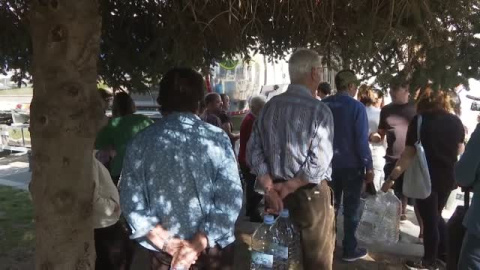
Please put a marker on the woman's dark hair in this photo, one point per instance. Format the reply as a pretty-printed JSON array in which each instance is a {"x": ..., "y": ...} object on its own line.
[
  {"x": 181, "y": 90},
  {"x": 123, "y": 105}
]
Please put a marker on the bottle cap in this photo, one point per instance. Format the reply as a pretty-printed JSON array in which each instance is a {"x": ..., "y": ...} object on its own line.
[
  {"x": 268, "y": 219},
  {"x": 285, "y": 213}
]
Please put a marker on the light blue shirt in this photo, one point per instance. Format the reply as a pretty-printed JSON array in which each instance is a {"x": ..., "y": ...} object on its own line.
[
  {"x": 467, "y": 175},
  {"x": 181, "y": 173},
  {"x": 293, "y": 138}
]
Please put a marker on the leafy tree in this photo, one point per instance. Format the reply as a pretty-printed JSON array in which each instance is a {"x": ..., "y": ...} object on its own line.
[{"x": 425, "y": 39}]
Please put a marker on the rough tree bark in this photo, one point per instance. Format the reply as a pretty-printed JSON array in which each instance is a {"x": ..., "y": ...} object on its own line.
[{"x": 65, "y": 117}]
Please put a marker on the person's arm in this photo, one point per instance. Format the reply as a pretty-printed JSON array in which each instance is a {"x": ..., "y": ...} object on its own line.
[
  {"x": 256, "y": 157},
  {"x": 406, "y": 158},
  {"x": 227, "y": 196},
  {"x": 136, "y": 205},
  {"x": 227, "y": 127},
  {"x": 134, "y": 194},
  {"x": 361, "y": 134},
  {"x": 379, "y": 136},
  {"x": 106, "y": 202},
  {"x": 402, "y": 164},
  {"x": 466, "y": 169},
  {"x": 258, "y": 163},
  {"x": 245, "y": 133}
]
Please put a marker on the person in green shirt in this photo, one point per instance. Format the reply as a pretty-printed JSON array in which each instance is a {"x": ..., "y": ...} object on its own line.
[{"x": 123, "y": 126}]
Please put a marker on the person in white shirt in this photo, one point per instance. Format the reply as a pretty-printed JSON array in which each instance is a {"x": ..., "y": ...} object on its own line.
[
  {"x": 113, "y": 247},
  {"x": 106, "y": 201},
  {"x": 373, "y": 101}
]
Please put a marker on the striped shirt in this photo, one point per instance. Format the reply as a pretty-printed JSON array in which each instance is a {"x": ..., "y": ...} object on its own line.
[{"x": 293, "y": 138}]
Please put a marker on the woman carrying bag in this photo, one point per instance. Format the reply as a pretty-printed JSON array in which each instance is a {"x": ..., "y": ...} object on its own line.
[{"x": 440, "y": 140}]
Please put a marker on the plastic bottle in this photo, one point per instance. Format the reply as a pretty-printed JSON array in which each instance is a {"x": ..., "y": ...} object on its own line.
[
  {"x": 263, "y": 245},
  {"x": 288, "y": 245},
  {"x": 380, "y": 220},
  {"x": 392, "y": 218}
]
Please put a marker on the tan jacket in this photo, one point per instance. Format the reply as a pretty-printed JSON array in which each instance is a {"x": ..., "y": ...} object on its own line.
[{"x": 106, "y": 201}]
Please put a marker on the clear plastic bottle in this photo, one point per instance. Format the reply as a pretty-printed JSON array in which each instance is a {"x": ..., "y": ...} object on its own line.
[
  {"x": 289, "y": 250},
  {"x": 392, "y": 218},
  {"x": 380, "y": 220},
  {"x": 263, "y": 245}
]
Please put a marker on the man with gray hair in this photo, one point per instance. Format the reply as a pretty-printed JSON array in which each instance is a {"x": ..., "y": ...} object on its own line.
[
  {"x": 290, "y": 151},
  {"x": 253, "y": 198}
]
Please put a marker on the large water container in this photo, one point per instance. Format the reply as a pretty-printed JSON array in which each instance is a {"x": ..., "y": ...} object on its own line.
[
  {"x": 263, "y": 245},
  {"x": 380, "y": 222},
  {"x": 289, "y": 245}
]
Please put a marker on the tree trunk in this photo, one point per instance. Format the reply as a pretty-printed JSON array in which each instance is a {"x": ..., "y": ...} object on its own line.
[{"x": 65, "y": 117}]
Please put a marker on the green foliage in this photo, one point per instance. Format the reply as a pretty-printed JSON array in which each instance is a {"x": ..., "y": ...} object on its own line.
[
  {"x": 141, "y": 39},
  {"x": 15, "y": 48}
]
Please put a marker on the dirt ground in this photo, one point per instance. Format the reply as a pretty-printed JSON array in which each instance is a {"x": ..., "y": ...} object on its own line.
[
  {"x": 24, "y": 261},
  {"x": 374, "y": 261}
]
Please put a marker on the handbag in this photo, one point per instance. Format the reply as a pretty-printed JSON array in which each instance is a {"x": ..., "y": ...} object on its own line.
[{"x": 416, "y": 181}]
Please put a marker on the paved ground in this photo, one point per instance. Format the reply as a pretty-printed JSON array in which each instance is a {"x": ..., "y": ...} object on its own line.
[{"x": 14, "y": 170}]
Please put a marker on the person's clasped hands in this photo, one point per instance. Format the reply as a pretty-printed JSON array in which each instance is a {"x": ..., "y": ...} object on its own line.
[
  {"x": 188, "y": 252},
  {"x": 276, "y": 193},
  {"x": 185, "y": 252}
]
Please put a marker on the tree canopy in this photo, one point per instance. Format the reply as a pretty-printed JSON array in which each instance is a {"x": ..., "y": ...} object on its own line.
[{"x": 141, "y": 39}]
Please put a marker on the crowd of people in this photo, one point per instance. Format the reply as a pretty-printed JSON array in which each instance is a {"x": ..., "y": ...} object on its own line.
[{"x": 309, "y": 150}]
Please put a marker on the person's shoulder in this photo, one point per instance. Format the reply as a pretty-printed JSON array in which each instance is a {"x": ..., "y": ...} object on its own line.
[
  {"x": 140, "y": 140},
  {"x": 388, "y": 107},
  {"x": 207, "y": 127},
  {"x": 114, "y": 121},
  {"x": 327, "y": 99},
  {"x": 248, "y": 118},
  {"x": 141, "y": 118},
  {"x": 453, "y": 118},
  {"x": 411, "y": 106},
  {"x": 224, "y": 117},
  {"x": 357, "y": 103},
  {"x": 146, "y": 133},
  {"x": 212, "y": 133},
  {"x": 321, "y": 104},
  {"x": 352, "y": 102}
]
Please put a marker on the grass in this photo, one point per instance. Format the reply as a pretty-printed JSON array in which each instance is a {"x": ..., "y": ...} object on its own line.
[
  {"x": 26, "y": 91},
  {"x": 16, "y": 221}
]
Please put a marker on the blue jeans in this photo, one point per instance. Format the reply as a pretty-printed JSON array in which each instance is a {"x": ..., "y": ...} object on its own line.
[
  {"x": 470, "y": 254},
  {"x": 348, "y": 182}
]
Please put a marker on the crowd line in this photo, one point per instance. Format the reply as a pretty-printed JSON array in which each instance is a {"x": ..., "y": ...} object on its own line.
[{"x": 174, "y": 186}]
